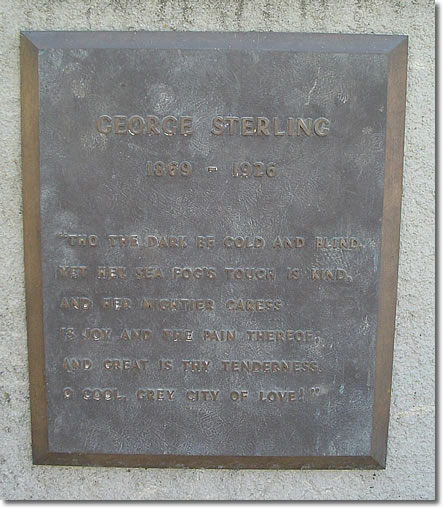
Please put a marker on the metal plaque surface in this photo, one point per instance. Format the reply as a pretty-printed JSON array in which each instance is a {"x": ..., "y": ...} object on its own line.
[{"x": 211, "y": 245}]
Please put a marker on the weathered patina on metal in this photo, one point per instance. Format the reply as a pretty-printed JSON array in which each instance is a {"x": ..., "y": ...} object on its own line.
[{"x": 211, "y": 244}]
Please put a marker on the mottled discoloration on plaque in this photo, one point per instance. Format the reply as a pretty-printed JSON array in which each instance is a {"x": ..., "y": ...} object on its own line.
[{"x": 211, "y": 227}]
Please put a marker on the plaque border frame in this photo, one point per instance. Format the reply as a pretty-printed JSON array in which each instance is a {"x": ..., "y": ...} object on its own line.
[{"x": 395, "y": 47}]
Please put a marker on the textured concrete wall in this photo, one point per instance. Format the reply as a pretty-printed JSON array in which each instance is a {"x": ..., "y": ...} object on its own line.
[{"x": 410, "y": 467}]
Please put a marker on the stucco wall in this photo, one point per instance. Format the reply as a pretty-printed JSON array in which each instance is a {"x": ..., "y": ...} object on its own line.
[{"x": 410, "y": 466}]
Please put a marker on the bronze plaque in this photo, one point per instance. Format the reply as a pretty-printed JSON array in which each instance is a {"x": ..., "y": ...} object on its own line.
[{"x": 211, "y": 244}]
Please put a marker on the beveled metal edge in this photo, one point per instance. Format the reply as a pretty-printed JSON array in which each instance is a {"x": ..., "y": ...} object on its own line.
[
  {"x": 390, "y": 244},
  {"x": 208, "y": 461},
  {"x": 263, "y": 41},
  {"x": 32, "y": 253}
]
